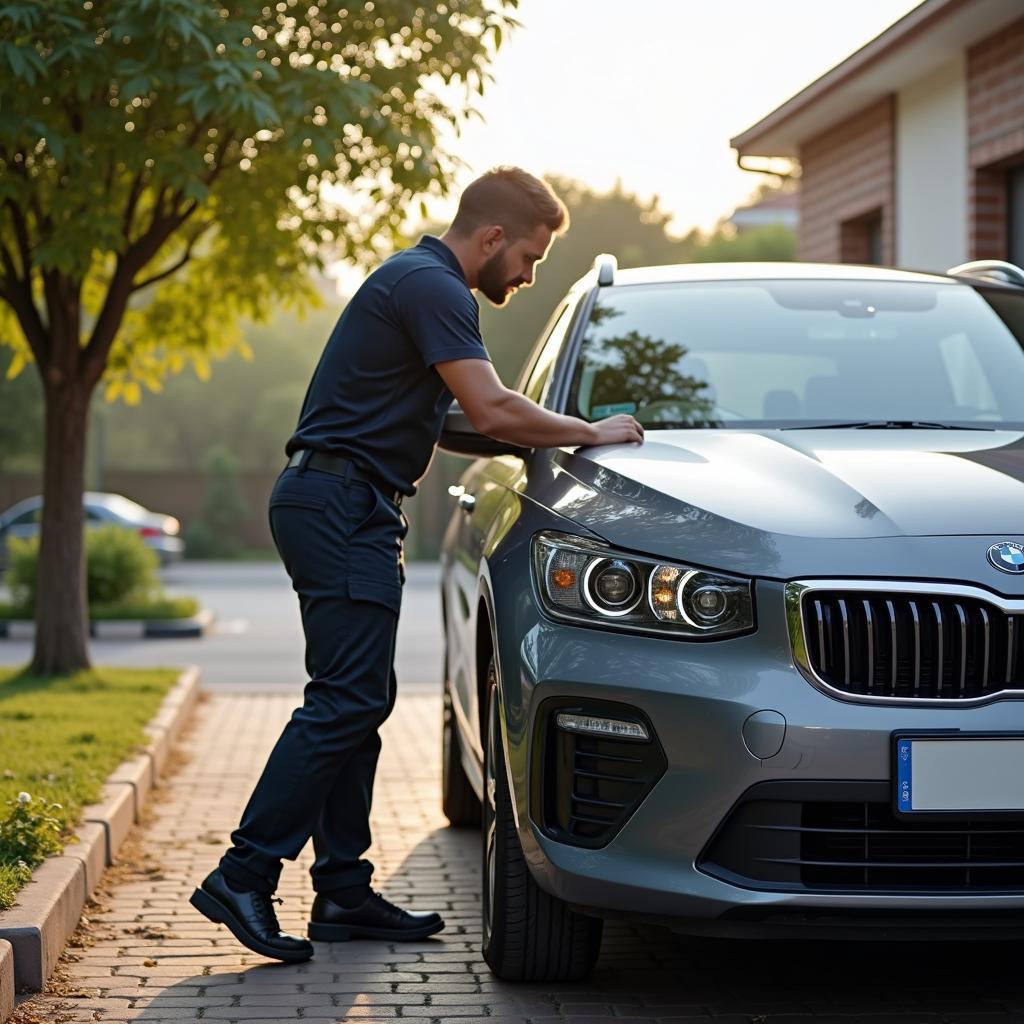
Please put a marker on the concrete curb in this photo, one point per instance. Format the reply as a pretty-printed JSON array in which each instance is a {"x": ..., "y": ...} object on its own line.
[
  {"x": 122, "y": 629},
  {"x": 6, "y": 980},
  {"x": 33, "y": 932}
]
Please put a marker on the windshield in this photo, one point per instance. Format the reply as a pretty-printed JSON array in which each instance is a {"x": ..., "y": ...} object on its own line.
[{"x": 791, "y": 353}]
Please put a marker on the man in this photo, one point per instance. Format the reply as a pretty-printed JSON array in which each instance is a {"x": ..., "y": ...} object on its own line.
[{"x": 407, "y": 342}]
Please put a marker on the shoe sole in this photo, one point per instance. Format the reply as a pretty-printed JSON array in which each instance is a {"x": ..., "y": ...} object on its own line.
[
  {"x": 343, "y": 933},
  {"x": 214, "y": 910}
]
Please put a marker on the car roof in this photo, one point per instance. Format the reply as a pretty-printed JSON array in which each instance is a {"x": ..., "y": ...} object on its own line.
[
  {"x": 116, "y": 503},
  {"x": 683, "y": 272}
]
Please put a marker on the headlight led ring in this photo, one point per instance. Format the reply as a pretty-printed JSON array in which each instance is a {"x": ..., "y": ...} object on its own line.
[{"x": 611, "y": 609}]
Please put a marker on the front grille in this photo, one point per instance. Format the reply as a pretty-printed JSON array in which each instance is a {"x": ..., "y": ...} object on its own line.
[
  {"x": 912, "y": 645},
  {"x": 845, "y": 837},
  {"x": 587, "y": 787}
]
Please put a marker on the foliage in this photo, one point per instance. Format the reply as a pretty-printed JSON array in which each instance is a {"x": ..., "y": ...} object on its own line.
[
  {"x": 119, "y": 567},
  {"x": 30, "y": 832},
  {"x": 215, "y": 533},
  {"x": 59, "y": 740},
  {"x": 210, "y": 156},
  {"x": 250, "y": 406},
  {"x": 644, "y": 370},
  {"x": 771, "y": 242}
]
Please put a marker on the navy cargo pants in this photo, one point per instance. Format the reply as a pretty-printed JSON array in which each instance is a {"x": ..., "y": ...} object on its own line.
[{"x": 341, "y": 543}]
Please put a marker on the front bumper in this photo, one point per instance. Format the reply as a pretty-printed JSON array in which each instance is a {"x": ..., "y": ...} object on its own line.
[{"x": 700, "y": 698}]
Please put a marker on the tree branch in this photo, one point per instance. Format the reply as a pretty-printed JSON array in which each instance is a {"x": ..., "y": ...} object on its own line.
[
  {"x": 134, "y": 259},
  {"x": 19, "y": 294},
  {"x": 21, "y": 233},
  {"x": 178, "y": 264},
  {"x": 134, "y": 194}
]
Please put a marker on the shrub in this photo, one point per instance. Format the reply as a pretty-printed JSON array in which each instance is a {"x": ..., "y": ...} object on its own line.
[
  {"x": 119, "y": 566},
  {"x": 214, "y": 534},
  {"x": 22, "y": 556},
  {"x": 30, "y": 832}
]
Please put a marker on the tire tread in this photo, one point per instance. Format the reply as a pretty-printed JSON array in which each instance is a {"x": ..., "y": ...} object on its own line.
[{"x": 535, "y": 936}]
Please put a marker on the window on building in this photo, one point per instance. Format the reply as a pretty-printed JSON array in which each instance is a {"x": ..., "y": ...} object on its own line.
[
  {"x": 1015, "y": 194},
  {"x": 860, "y": 239}
]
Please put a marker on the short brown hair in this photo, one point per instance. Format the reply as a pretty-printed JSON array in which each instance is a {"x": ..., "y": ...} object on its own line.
[{"x": 513, "y": 198}]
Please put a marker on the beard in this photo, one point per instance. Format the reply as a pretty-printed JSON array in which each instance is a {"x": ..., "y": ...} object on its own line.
[{"x": 493, "y": 280}]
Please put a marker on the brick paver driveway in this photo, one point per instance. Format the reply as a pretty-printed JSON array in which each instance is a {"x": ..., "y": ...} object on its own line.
[{"x": 156, "y": 959}]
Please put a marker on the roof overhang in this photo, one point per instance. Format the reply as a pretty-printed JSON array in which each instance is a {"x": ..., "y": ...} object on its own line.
[{"x": 928, "y": 36}]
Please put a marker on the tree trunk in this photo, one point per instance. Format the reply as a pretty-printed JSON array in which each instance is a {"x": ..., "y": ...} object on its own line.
[{"x": 62, "y": 631}]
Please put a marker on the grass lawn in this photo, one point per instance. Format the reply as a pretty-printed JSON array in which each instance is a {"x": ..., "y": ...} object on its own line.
[
  {"x": 59, "y": 739},
  {"x": 162, "y": 607}
]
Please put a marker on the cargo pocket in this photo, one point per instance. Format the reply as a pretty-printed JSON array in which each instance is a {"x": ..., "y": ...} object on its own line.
[{"x": 382, "y": 592}]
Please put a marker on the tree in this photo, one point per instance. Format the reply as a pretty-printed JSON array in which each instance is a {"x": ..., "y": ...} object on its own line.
[{"x": 167, "y": 166}]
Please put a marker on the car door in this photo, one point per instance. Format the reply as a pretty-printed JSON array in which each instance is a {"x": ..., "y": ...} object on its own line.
[{"x": 484, "y": 494}]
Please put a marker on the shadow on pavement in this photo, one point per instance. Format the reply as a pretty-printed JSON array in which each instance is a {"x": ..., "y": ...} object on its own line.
[{"x": 644, "y": 973}]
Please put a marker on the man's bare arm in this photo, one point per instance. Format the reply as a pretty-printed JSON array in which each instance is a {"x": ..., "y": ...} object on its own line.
[{"x": 499, "y": 412}]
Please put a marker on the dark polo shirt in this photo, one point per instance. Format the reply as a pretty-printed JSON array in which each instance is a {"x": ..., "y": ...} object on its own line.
[{"x": 375, "y": 396}]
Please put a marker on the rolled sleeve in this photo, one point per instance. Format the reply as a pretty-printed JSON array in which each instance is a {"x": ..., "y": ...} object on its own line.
[{"x": 440, "y": 315}]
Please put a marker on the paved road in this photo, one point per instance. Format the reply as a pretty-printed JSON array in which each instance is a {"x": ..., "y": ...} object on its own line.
[
  {"x": 257, "y": 646},
  {"x": 155, "y": 959}
]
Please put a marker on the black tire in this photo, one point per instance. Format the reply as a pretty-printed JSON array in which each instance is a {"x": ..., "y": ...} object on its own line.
[
  {"x": 528, "y": 934},
  {"x": 459, "y": 802}
]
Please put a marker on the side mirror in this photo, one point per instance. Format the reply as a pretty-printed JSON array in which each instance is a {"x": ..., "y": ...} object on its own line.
[{"x": 459, "y": 438}]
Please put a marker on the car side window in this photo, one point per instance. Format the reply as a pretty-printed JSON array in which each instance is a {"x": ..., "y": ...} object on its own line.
[
  {"x": 539, "y": 378},
  {"x": 33, "y": 515}
]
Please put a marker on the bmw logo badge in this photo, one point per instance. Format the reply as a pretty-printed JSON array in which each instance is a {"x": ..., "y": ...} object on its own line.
[{"x": 1007, "y": 557}]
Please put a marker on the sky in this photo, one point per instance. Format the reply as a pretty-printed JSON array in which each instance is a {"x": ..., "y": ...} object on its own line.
[{"x": 651, "y": 91}]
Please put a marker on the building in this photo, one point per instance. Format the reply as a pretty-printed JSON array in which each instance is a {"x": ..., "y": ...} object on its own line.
[
  {"x": 912, "y": 149},
  {"x": 782, "y": 208}
]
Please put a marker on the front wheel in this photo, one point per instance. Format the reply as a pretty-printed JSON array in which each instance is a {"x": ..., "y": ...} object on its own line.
[{"x": 529, "y": 935}]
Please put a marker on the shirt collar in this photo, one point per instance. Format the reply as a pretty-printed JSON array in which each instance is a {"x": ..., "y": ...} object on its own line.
[{"x": 434, "y": 244}]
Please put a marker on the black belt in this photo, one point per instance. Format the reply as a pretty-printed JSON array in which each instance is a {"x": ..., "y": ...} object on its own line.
[{"x": 343, "y": 467}]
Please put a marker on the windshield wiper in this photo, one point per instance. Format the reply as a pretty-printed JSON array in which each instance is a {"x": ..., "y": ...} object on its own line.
[
  {"x": 683, "y": 425},
  {"x": 885, "y": 425}
]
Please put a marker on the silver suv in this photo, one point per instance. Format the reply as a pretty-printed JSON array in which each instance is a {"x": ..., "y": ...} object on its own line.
[{"x": 761, "y": 675}]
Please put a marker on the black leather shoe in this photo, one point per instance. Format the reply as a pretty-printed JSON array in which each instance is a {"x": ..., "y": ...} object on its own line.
[
  {"x": 374, "y": 919},
  {"x": 250, "y": 917}
]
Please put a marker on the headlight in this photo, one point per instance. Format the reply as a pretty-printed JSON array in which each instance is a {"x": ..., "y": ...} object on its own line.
[{"x": 582, "y": 581}]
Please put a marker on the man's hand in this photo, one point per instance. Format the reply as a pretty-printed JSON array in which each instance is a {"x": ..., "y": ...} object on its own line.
[
  {"x": 499, "y": 412},
  {"x": 621, "y": 429}
]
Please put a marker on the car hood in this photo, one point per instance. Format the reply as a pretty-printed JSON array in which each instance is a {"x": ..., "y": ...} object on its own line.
[{"x": 779, "y": 491}]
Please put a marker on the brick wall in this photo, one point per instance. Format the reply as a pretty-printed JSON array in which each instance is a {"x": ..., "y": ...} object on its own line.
[
  {"x": 847, "y": 176},
  {"x": 995, "y": 134}
]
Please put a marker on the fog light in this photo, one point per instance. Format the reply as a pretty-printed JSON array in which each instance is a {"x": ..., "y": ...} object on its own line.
[{"x": 593, "y": 726}]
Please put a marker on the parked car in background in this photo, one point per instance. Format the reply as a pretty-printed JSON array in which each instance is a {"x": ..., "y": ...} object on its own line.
[
  {"x": 762, "y": 675},
  {"x": 160, "y": 532}
]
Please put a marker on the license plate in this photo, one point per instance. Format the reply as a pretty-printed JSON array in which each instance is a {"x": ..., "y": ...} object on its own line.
[{"x": 959, "y": 774}]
